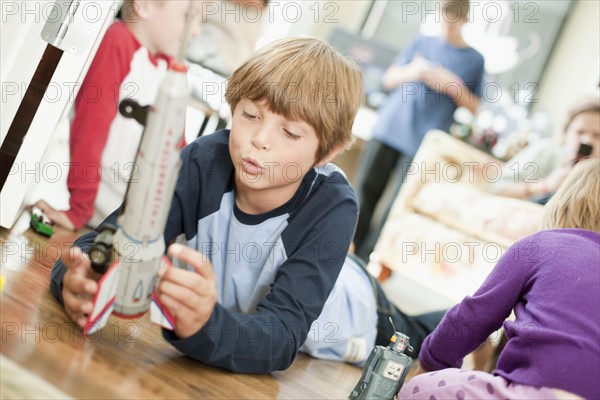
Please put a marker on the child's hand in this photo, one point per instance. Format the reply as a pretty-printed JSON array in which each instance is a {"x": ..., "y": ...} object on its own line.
[
  {"x": 556, "y": 178},
  {"x": 189, "y": 295},
  {"x": 419, "y": 67},
  {"x": 79, "y": 285},
  {"x": 442, "y": 80},
  {"x": 59, "y": 217}
]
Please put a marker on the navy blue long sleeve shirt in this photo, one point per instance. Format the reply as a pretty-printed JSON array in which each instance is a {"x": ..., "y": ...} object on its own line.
[{"x": 274, "y": 271}]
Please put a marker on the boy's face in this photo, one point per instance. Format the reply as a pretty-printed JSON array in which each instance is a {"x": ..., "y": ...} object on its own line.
[
  {"x": 271, "y": 154},
  {"x": 452, "y": 28},
  {"x": 165, "y": 23}
]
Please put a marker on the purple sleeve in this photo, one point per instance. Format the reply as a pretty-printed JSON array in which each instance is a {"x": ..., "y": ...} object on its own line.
[{"x": 468, "y": 324}]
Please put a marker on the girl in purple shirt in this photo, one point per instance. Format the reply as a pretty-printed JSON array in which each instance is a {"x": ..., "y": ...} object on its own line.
[{"x": 551, "y": 280}]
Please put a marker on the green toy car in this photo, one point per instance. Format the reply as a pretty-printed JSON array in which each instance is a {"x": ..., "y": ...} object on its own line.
[{"x": 41, "y": 223}]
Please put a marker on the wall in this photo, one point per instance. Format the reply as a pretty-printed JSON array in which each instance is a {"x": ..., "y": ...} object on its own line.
[
  {"x": 311, "y": 18},
  {"x": 573, "y": 68},
  {"x": 347, "y": 15}
]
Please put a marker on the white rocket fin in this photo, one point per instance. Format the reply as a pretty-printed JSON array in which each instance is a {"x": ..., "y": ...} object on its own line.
[
  {"x": 159, "y": 314},
  {"x": 104, "y": 300}
]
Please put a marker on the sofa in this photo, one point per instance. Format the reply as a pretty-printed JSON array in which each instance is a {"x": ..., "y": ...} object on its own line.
[{"x": 446, "y": 230}]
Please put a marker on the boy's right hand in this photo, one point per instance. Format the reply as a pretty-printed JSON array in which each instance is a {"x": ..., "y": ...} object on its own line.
[{"x": 79, "y": 285}]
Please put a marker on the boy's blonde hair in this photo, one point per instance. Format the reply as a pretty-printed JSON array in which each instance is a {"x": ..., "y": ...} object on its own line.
[
  {"x": 303, "y": 79},
  {"x": 576, "y": 204}
]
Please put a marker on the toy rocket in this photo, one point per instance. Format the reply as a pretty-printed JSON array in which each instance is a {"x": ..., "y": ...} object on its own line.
[{"x": 131, "y": 253}]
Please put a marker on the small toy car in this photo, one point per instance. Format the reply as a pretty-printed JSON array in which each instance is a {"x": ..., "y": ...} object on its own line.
[{"x": 41, "y": 223}]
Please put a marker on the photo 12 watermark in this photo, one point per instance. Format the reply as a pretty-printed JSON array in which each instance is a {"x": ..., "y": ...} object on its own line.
[
  {"x": 467, "y": 252},
  {"x": 290, "y": 12},
  {"x": 490, "y": 12},
  {"x": 69, "y": 332},
  {"x": 27, "y": 11}
]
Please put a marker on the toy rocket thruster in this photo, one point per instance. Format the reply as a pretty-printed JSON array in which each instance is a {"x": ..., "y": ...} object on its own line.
[{"x": 130, "y": 254}]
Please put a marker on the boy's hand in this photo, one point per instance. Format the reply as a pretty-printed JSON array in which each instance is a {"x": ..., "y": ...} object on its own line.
[
  {"x": 442, "y": 80},
  {"x": 419, "y": 67},
  {"x": 79, "y": 285},
  {"x": 189, "y": 295}
]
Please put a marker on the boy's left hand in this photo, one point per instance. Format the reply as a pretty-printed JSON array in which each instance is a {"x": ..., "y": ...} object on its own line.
[{"x": 189, "y": 295}]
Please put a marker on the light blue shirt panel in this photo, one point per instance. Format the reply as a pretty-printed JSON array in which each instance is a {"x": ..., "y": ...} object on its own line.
[
  {"x": 349, "y": 319},
  {"x": 245, "y": 258}
]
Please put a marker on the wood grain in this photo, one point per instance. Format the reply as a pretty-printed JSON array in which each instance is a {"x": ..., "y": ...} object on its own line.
[{"x": 128, "y": 358}]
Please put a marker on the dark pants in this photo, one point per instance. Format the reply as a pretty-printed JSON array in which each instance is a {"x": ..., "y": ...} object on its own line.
[
  {"x": 415, "y": 327},
  {"x": 378, "y": 164}
]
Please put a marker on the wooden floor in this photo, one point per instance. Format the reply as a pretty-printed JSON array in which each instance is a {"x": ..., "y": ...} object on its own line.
[{"x": 44, "y": 355}]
